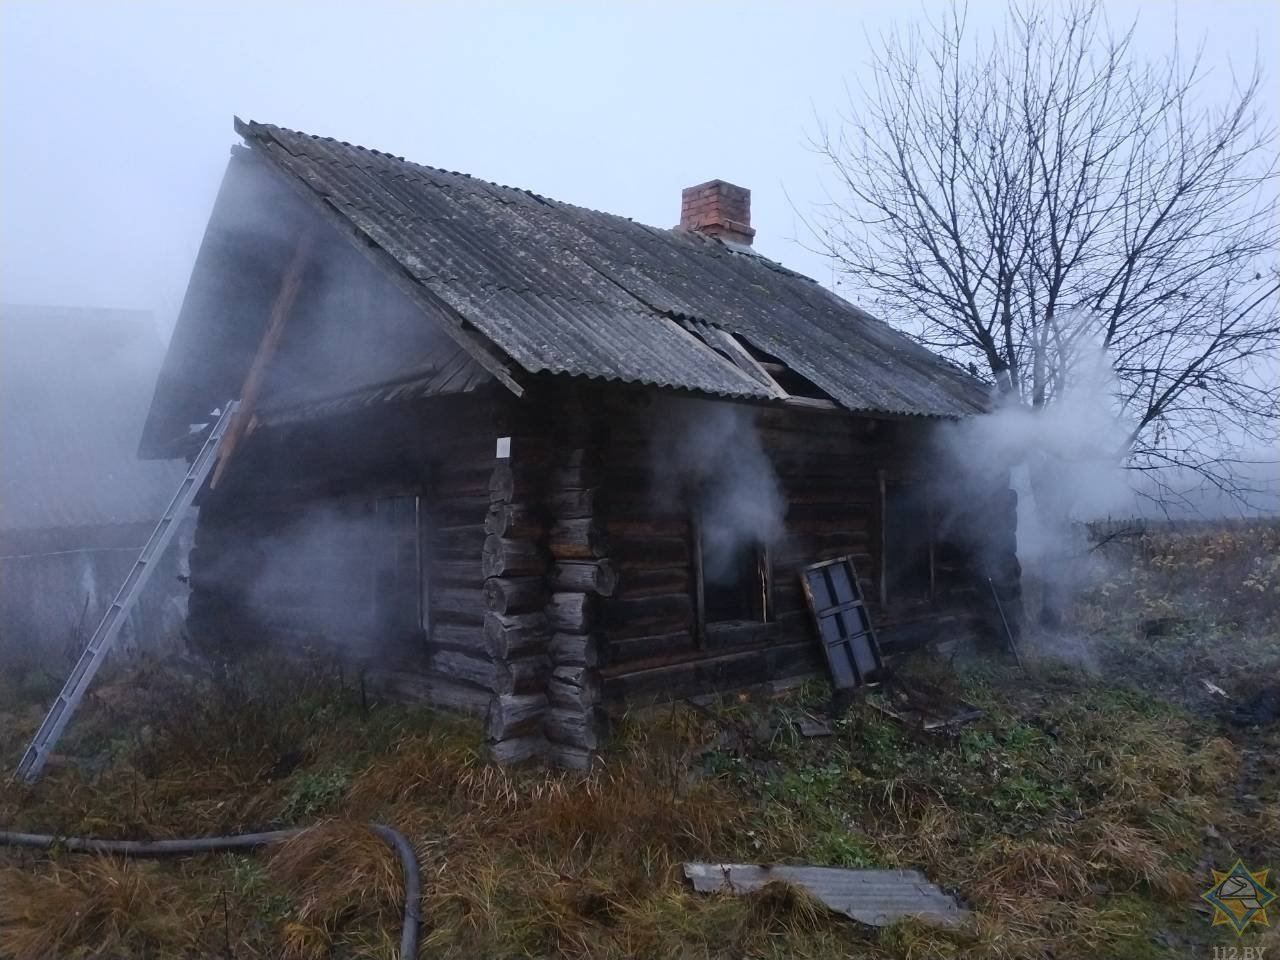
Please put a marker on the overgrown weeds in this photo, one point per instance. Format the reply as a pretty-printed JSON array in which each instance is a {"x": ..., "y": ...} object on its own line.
[{"x": 1077, "y": 820}]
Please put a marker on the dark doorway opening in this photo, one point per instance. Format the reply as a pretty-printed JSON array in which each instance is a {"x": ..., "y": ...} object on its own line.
[{"x": 908, "y": 543}]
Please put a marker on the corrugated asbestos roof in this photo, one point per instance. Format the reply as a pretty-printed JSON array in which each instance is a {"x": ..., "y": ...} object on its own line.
[
  {"x": 566, "y": 290},
  {"x": 74, "y": 388}
]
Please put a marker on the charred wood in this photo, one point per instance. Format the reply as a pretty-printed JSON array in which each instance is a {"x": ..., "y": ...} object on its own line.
[
  {"x": 515, "y": 714},
  {"x": 635, "y": 582},
  {"x": 575, "y": 728},
  {"x": 520, "y": 595},
  {"x": 512, "y": 558},
  {"x": 459, "y": 603},
  {"x": 469, "y": 537},
  {"x": 515, "y": 521},
  {"x": 648, "y": 615},
  {"x": 459, "y": 572},
  {"x": 499, "y": 676},
  {"x": 461, "y": 636},
  {"x": 519, "y": 749},
  {"x": 508, "y": 635},
  {"x": 570, "y": 758},
  {"x": 583, "y": 539},
  {"x": 617, "y": 651},
  {"x": 572, "y": 612},
  {"x": 573, "y": 688},
  {"x": 649, "y": 551},
  {"x": 597, "y": 577},
  {"x": 573, "y": 650},
  {"x": 574, "y": 504}
]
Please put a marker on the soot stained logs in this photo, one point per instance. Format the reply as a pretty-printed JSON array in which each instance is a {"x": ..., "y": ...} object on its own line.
[
  {"x": 580, "y": 577},
  {"x": 515, "y": 560}
]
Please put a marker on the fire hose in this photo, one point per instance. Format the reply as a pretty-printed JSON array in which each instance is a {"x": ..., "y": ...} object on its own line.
[{"x": 243, "y": 841}]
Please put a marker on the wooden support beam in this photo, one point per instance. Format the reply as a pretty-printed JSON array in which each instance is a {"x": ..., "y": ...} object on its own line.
[{"x": 242, "y": 420}]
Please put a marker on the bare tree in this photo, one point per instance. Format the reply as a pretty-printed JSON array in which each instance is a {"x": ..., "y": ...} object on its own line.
[{"x": 1029, "y": 199}]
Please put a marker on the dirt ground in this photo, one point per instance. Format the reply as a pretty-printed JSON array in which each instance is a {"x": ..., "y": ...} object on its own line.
[{"x": 1081, "y": 817}]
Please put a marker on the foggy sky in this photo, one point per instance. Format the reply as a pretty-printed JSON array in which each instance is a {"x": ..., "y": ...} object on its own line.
[{"x": 115, "y": 119}]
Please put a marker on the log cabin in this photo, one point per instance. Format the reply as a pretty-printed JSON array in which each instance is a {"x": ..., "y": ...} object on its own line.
[{"x": 540, "y": 464}]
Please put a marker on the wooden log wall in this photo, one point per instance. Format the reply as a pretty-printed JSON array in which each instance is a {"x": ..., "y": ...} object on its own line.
[
  {"x": 828, "y": 467},
  {"x": 581, "y": 575},
  {"x": 515, "y": 563},
  {"x": 442, "y": 450},
  {"x": 561, "y": 578}
]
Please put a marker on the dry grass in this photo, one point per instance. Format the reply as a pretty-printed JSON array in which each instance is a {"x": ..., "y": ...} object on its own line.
[
  {"x": 534, "y": 863},
  {"x": 99, "y": 905},
  {"x": 1076, "y": 821},
  {"x": 335, "y": 873}
]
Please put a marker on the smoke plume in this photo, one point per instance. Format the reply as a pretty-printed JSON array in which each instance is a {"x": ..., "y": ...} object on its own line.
[
  {"x": 1065, "y": 461},
  {"x": 708, "y": 455}
]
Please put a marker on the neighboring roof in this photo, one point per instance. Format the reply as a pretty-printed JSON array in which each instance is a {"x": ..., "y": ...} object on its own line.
[{"x": 74, "y": 388}]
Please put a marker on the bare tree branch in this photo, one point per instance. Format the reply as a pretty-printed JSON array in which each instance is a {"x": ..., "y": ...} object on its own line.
[{"x": 1027, "y": 199}]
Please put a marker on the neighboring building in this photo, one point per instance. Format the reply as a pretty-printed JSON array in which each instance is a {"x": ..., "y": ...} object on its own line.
[
  {"x": 537, "y": 462},
  {"x": 76, "y": 503}
]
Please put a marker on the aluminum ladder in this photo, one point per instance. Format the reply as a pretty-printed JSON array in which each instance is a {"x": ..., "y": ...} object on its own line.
[{"x": 104, "y": 637}]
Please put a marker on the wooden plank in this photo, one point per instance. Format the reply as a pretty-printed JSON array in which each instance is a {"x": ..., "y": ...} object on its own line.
[
  {"x": 281, "y": 308},
  {"x": 635, "y": 649},
  {"x": 689, "y": 678},
  {"x": 743, "y": 358},
  {"x": 649, "y": 551},
  {"x": 814, "y": 404},
  {"x": 646, "y": 616},
  {"x": 881, "y": 565},
  {"x": 636, "y": 582},
  {"x": 699, "y": 588}
]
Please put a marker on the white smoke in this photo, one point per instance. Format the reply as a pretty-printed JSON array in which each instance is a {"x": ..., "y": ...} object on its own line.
[
  {"x": 315, "y": 578},
  {"x": 1064, "y": 460},
  {"x": 708, "y": 455}
]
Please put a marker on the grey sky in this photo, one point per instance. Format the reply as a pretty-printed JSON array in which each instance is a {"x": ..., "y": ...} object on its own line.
[{"x": 115, "y": 118}]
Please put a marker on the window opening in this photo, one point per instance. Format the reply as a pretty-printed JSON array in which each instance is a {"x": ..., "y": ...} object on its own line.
[
  {"x": 733, "y": 581},
  {"x": 907, "y": 542},
  {"x": 401, "y": 609}
]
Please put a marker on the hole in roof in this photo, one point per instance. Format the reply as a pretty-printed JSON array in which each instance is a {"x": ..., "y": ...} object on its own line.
[{"x": 794, "y": 383}]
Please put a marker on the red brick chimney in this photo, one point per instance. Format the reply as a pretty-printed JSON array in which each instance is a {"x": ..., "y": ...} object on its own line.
[{"x": 719, "y": 209}]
